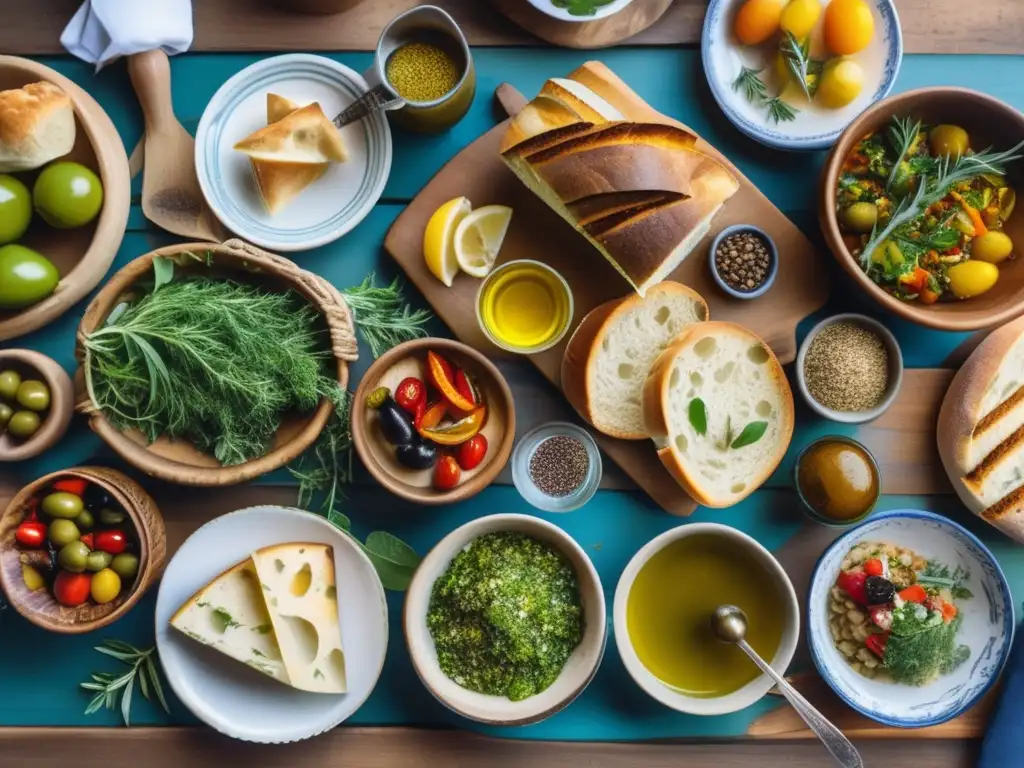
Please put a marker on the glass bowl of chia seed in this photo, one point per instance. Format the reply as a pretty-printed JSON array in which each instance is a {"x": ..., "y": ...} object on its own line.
[{"x": 557, "y": 467}]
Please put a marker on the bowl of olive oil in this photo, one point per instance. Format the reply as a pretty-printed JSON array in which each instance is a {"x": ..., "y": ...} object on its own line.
[
  {"x": 524, "y": 306},
  {"x": 662, "y": 612}
]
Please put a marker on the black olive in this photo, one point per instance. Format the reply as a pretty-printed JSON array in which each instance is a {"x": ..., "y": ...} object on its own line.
[
  {"x": 418, "y": 455},
  {"x": 879, "y": 590},
  {"x": 96, "y": 498},
  {"x": 395, "y": 423}
]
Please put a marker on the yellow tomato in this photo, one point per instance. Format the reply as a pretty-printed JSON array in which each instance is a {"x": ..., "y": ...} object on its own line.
[
  {"x": 994, "y": 247},
  {"x": 841, "y": 82},
  {"x": 849, "y": 26},
  {"x": 758, "y": 20},
  {"x": 799, "y": 17},
  {"x": 972, "y": 278}
]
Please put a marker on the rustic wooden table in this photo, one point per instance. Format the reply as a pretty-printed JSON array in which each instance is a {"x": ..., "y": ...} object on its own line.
[{"x": 930, "y": 26}]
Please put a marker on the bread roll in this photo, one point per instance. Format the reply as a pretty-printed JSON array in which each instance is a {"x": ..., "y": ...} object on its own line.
[
  {"x": 612, "y": 350},
  {"x": 981, "y": 430},
  {"x": 37, "y": 125},
  {"x": 741, "y": 389}
]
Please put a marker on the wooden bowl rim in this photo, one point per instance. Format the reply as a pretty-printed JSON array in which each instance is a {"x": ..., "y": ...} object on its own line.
[
  {"x": 168, "y": 469},
  {"x": 62, "y": 402},
  {"x": 112, "y": 162},
  {"x": 150, "y": 562},
  {"x": 361, "y": 440},
  {"x": 920, "y": 314}
]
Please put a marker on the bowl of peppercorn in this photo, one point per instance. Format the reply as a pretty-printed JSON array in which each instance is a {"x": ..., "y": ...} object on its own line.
[{"x": 744, "y": 261}]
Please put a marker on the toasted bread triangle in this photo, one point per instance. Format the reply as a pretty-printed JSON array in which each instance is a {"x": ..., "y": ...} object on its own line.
[{"x": 303, "y": 136}]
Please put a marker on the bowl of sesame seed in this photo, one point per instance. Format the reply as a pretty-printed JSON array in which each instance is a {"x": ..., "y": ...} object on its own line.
[{"x": 849, "y": 368}]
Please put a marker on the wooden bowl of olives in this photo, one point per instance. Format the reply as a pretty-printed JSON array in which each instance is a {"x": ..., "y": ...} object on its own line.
[
  {"x": 67, "y": 249},
  {"x": 36, "y": 403},
  {"x": 79, "y": 547},
  {"x": 433, "y": 421}
]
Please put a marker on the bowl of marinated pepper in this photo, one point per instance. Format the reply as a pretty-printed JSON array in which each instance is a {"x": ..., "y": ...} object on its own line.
[
  {"x": 78, "y": 548},
  {"x": 433, "y": 421}
]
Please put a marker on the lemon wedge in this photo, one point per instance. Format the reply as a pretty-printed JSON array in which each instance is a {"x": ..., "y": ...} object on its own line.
[
  {"x": 439, "y": 239},
  {"x": 478, "y": 238}
]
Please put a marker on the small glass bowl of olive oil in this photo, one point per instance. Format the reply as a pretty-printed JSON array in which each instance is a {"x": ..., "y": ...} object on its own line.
[{"x": 524, "y": 306}]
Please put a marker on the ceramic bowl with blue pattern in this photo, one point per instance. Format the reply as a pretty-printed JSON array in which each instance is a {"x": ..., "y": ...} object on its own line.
[
  {"x": 563, "y": 14},
  {"x": 330, "y": 206},
  {"x": 987, "y": 627},
  {"x": 814, "y": 127}
]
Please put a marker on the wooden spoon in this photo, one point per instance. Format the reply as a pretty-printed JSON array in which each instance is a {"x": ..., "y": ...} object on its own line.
[{"x": 171, "y": 196}]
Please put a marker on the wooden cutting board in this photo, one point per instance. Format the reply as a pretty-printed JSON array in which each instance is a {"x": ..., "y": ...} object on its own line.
[{"x": 536, "y": 232}]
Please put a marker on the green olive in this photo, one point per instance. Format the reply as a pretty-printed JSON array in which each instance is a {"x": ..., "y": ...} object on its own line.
[
  {"x": 97, "y": 561},
  {"x": 5, "y": 415},
  {"x": 111, "y": 516},
  {"x": 73, "y": 557},
  {"x": 33, "y": 395},
  {"x": 23, "y": 424},
  {"x": 26, "y": 277},
  {"x": 62, "y": 504},
  {"x": 994, "y": 247},
  {"x": 9, "y": 383},
  {"x": 948, "y": 141},
  {"x": 860, "y": 217},
  {"x": 125, "y": 565},
  {"x": 85, "y": 520},
  {"x": 62, "y": 532},
  {"x": 67, "y": 195}
]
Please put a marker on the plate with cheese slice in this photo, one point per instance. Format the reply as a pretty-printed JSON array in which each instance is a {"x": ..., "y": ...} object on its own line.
[
  {"x": 271, "y": 625},
  {"x": 272, "y": 165}
]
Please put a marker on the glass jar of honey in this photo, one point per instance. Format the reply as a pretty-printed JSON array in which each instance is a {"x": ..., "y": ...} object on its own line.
[{"x": 837, "y": 480}]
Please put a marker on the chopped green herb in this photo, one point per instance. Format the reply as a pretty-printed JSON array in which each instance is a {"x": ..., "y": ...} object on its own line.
[
  {"x": 263, "y": 629},
  {"x": 222, "y": 620},
  {"x": 751, "y": 433},
  {"x": 698, "y": 416}
]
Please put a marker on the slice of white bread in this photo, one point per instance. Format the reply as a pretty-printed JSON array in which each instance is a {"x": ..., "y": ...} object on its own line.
[
  {"x": 609, "y": 356},
  {"x": 731, "y": 376},
  {"x": 981, "y": 430}
]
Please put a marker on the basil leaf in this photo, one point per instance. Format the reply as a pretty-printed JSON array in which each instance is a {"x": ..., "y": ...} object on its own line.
[
  {"x": 163, "y": 272},
  {"x": 751, "y": 433},
  {"x": 394, "y": 560},
  {"x": 340, "y": 520},
  {"x": 699, "y": 416}
]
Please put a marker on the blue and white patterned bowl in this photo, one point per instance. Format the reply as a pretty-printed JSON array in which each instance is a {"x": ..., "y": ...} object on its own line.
[
  {"x": 988, "y": 622},
  {"x": 723, "y": 56},
  {"x": 330, "y": 206}
]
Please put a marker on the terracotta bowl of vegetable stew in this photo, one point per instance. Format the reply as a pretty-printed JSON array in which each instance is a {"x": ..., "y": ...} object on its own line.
[
  {"x": 124, "y": 530},
  {"x": 934, "y": 269},
  {"x": 180, "y": 460},
  {"x": 444, "y": 454}
]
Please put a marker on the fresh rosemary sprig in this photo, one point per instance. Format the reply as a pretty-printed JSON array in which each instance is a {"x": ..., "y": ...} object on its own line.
[
  {"x": 798, "y": 61},
  {"x": 752, "y": 84},
  {"x": 382, "y": 315},
  {"x": 932, "y": 189},
  {"x": 902, "y": 134},
  {"x": 780, "y": 111},
  {"x": 110, "y": 687}
]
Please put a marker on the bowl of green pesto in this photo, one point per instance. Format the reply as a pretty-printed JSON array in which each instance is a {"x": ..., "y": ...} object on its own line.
[{"x": 505, "y": 620}]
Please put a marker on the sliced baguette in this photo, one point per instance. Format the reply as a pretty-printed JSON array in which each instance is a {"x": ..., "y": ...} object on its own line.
[
  {"x": 740, "y": 382},
  {"x": 981, "y": 430},
  {"x": 591, "y": 209},
  {"x": 580, "y": 99},
  {"x": 561, "y": 103},
  {"x": 608, "y": 357}
]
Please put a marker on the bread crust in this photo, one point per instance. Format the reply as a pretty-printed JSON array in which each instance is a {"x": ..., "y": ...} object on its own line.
[
  {"x": 655, "y": 399},
  {"x": 619, "y": 134},
  {"x": 581, "y": 352},
  {"x": 23, "y": 109}
]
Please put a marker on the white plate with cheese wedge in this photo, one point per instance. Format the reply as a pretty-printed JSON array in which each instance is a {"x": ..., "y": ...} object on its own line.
[
  {"x": 271, "y": 625},
  {"x": 283, "y": 178}
]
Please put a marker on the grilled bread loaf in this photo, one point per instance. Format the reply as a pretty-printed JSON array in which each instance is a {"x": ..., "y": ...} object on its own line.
[
  {"x": 720, "y": 411},
  {"x": 37, "y": 125},
  {"x": 981, "y": 430},
  {"x": 609, "y": 356},
  {"x": 639, "y": 192}
]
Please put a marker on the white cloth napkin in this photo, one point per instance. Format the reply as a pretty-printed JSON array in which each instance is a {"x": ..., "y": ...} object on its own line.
[{"x": 104, "y": 30}]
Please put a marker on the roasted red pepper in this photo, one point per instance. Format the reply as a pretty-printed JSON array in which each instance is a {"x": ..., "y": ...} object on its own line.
[
  {"x": 876, "y": 644},
  {"x": 442, "y": 377},
  {"x": 913, "y": 594},
  {"x": 411, "y": 395},
  {"x": 73, "y": 485},
  {"x": 113, "y": 542},
  {"x": 459, "y": 432},
  {"x": 873, "y": 567},
  {"x": 31, "y": 533},
  {"x": 431, "y": 416},
  {"x": 852, "y": 583},
  {"x": 89, "y": 539}
]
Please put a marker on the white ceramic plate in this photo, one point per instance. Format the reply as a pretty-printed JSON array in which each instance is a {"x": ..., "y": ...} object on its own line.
[
  {"x": 327, "y": 208},
  {"x": 549, "y": 8},
  {"x": 988, "y": 622},
  {"x": 231, "y": 697},
  {"x": 814, "y": 127},
  {"x": 578, "y": 671}
]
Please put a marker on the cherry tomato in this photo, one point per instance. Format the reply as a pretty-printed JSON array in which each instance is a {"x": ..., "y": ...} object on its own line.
[
  {"x": 873, "y": 567},
  {"x": 446, "y": 473},
  {"x": 411, "y": 394},
  {"x": 113, "y": 542},
  {"x": 106, "y": 585},
  {"x": 472, "y": 452},
  {"x": 876, "y": 644},
  {"x": 73, "y": 485},
  {"x": 89, "y": 540},
  {"x": 852, "y": 583},
  {"x": 31, "y": 534},
  {"x": 72, "y": 589}
]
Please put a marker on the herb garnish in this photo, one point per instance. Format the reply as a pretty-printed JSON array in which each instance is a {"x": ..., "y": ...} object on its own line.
[
  {"x": 224, "y": 620},
  {"x": 382, "y": 315},
  {"x": 109, "y": 686},
  {"x": 903, "y": 135},
  {"x": 757, "y": 94},
  {"x": 796, "y": 54},
  {"x": 751, "y": 433},
  {"x": 780, "y": 111},
  {"x": 698, "y": 413},
  {"x": 937, "y": 575},
  {"x": 580, "y": 7},
  {"x": 394, "y": 560}
]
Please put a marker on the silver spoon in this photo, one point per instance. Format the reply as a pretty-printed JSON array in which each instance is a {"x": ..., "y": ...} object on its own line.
[{"x": 729, "y": 624}]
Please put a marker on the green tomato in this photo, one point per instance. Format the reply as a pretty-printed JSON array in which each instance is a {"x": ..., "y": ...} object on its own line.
[
  {"x": 26, "y": 277},
  {"x": 63, "y": 532},
  {"x": 97, "y": 561},
  {"x": 15, "y": 209},
  {"x": 9, "y": 383},
  {"x": 62, "y": 504},
  {"x": 125, "y": 565},
  {"x": 67, "y": 195},
  {"x": 73, "y": 556}
]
